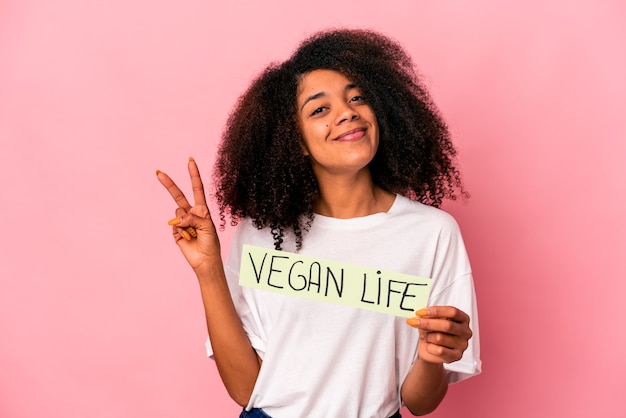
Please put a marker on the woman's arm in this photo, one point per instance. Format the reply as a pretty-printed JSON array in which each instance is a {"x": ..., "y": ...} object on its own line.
[
  {"x": 444, "y": 337},
  {"x": 424, "y": 388},
  {"x": 234, "y": 356}
]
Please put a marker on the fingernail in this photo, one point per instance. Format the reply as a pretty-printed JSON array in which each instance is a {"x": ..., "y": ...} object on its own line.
[
  {"x": 422, "y": 312},
  {"x": 414, "y": 322},
  {"x": 158, "y": 172},
  {"x": 191, "y": 159},
  {"x": 186, "y": 234},
  {"x": 174, "y": 221}
]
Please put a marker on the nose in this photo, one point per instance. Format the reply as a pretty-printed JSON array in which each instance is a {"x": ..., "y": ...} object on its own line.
[{"x": 346, "y": 113}]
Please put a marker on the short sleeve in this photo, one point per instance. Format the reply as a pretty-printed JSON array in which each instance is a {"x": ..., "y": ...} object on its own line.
[{"x": 461, "y": 294}]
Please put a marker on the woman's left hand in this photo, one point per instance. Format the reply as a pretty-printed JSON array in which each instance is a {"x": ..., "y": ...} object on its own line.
[{"x": 444, "y": 333}]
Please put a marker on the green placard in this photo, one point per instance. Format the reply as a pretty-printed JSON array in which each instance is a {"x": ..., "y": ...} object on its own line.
[{"x": 333, "y": 281}]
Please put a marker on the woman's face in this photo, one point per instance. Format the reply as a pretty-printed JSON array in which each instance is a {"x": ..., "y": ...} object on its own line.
[{"x": 338, "y": 126}]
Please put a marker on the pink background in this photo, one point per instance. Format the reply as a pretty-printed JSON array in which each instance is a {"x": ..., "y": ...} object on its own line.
[{"x": 101, "y": 317}]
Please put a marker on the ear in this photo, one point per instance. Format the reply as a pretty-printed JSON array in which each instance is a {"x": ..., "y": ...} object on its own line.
[{"x": 305, "y": 151}]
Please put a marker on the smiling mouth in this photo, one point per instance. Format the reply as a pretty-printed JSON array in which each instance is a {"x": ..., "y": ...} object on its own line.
[{"x": 352, "y": 135}]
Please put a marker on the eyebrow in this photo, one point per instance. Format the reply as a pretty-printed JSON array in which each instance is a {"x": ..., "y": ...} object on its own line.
[{"x": 322, "y": 94}]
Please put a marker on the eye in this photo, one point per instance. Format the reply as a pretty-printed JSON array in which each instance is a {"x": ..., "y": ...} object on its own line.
[
  {"x": 357, "y": 99},
  {"x": 318, "y": 110}
]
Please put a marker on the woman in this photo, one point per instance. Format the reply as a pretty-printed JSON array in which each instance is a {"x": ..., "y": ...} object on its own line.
[{"x": 337, "y": 153}]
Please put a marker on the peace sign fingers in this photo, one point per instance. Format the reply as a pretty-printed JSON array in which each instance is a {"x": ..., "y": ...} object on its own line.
[
  {"x": 200, "y": 245},
  {"x": 196, "y": 183},
  {"x": 174, "y": 191}
]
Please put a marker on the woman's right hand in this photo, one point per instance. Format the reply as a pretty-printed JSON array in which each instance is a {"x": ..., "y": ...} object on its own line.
[
  {"x": 236, "y": 360},
  {"x": 201, "y": 250}
]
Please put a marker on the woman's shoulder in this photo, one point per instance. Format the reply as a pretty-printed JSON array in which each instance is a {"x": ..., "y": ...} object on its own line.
[
  {"x": 420, "y": 212},
  {"x": 249, "y": 233}
]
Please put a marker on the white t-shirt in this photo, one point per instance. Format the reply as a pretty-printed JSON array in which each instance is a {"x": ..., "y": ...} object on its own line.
[{"x": 326, "y": 360}]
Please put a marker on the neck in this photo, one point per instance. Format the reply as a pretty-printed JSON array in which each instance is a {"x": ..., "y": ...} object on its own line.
[{"x": 352, "y": 197}]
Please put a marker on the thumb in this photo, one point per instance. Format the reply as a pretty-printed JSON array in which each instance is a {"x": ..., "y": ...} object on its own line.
[
  {"x": 187, "y": 232},
  {"x": 190, "y": 222}
]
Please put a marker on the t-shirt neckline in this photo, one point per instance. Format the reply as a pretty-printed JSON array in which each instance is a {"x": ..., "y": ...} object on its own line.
[{"x": 322, "y": 220}]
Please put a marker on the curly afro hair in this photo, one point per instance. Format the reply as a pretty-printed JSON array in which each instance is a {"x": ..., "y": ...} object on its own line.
[{"x": 261, "y": 172}]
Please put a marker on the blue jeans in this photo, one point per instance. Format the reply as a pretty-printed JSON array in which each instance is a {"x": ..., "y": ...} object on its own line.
[
  {"x": 258, "y": 413},
  {"x": 253, "y": 413}
]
